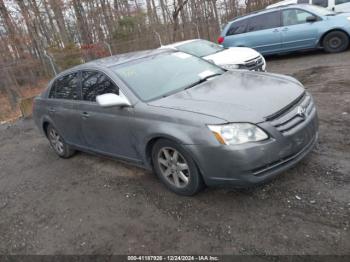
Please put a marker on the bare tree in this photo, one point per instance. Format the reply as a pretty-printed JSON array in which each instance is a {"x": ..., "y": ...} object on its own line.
[{"x": 178, "y": 7}]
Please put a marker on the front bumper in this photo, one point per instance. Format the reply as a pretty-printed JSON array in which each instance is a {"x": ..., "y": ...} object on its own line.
[{"x": 255, "y": 163}]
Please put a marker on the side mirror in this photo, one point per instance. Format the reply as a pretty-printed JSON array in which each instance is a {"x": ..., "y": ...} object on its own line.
[
  {"x": 109, "y": 100},
  {"x": 311, "y": 19}
]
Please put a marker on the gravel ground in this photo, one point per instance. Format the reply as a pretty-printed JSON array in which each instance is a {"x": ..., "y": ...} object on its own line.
[{"x": 92, "y": 205}]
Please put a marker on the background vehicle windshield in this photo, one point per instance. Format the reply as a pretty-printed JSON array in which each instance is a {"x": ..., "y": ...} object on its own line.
[
  {"x": 164, "y": 74},
  {"x": 200, "y": 48},
  {"x": 318, "y": 10}
]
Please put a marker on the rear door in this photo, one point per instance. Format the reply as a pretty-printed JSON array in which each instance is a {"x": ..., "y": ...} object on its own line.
[
  {"x": 265, "y": 32},
  {"x": 105, "y": 130},
  {"x": 62, "y": 107},
  {"x": 297, "y": 33}
]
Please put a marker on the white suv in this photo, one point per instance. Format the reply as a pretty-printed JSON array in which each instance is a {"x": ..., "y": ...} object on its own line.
[
  {"x": 227, "y": 58},
  {"x": 334, "y": 5}
]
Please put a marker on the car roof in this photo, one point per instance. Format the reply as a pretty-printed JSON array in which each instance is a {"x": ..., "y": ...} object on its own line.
[
  {"x": 118, "y": 59},
  {"x": 176, "y": 44},
  {"x": 270, "y": 10}
]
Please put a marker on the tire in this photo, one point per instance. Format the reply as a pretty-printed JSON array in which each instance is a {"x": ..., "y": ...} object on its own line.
[
  {"x": 335, "y": 42},
  {"x": 57, "y": 143},
  {"x": 176, "y": 168}
]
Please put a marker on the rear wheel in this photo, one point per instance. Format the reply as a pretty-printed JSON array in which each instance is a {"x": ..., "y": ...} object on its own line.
[
  {"x": 57, "y": 143},
  {"x": 335, "y": 42},
  {"x": 176, "y": 168}
]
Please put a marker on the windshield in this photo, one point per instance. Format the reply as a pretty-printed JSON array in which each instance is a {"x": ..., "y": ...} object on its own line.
[
  {"x": 318, "y": 10},
  {"x": 200, "y": 48},
  {"x": 164, "y": 74}
]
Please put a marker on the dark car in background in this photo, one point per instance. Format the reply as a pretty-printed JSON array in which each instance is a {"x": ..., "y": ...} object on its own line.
[{"x": 189, "y": 120}]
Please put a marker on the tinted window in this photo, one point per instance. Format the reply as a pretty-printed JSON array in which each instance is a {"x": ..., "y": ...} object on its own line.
[
  {"x": 323, "y": 3},
  {"x": 295, "y": 17},
  {"x": 239, "y": 27},
  {"x": 265, "y": 21},
  {"x": 65, "y": 87},
  {"x": 94, "y": 84},
  {"x": 303, "y": 1},
  {"x": 339, "y": 2}
]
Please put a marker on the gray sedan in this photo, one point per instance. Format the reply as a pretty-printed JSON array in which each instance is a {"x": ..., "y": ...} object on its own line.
[{"x": 190, "y": 121}]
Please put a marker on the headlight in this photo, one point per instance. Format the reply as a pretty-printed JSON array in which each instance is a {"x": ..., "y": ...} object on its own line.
[
  {"x": 349, "y": 18},
  {"x": 230, "y": 67},
  {"x": 238, "y": 133}
]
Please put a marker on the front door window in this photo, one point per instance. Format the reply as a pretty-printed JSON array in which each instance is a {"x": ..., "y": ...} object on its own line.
[{"x": 95, "y": 84}]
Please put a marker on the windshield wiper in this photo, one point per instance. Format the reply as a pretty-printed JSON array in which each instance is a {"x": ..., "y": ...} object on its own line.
[{"x": 204, "y": 79}]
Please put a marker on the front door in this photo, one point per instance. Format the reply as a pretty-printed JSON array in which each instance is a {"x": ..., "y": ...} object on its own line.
[
  {"x": 105, "y": 130},
  {"x": 297, "y": 33}
]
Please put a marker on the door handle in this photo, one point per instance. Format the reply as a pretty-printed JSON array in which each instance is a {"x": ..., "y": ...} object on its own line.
[
  {"x": 85, "y": 115},
  {"x": 285, "y": 29},
  {"x": 275, "y": 31},
  {"x": 52, "y": 110}
]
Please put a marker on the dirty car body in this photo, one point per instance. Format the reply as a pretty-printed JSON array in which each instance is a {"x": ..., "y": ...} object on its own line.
[{"x": 193, "y": 116}]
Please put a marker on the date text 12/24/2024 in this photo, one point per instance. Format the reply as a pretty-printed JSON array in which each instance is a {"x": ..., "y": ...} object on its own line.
[{"x": 173, "y": 258}]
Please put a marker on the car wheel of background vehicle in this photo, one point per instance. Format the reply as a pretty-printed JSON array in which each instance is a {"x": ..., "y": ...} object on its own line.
[
  {"x": 335, "y": 42},
  {"x": 175, "y": 168},
  {"x": 58, "y": 144}
]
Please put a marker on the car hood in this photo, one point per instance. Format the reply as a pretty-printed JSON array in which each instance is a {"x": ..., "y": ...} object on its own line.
[
  {"x": 237, "y": 96},
  {"x": 233, "y": 55}
]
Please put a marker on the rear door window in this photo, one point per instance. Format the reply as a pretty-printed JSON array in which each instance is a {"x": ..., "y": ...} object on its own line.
[
  {"x": 95, "y": 83},
  {"x": 264, "y": 21},
  {"x": 303, "y": 1},
  {"x": 65, "y": 87}
]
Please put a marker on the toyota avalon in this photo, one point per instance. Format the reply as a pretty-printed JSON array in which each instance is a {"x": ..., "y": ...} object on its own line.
[{"x": 191, "y": 122}]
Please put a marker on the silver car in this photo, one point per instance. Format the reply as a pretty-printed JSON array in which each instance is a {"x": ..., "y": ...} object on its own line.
[{"x": 192, "y": 122}]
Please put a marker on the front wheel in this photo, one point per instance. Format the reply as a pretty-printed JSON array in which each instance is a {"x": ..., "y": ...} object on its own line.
[
  {"x": 175, "y": 168},
  {"x": 57, "y": 143},
  {"x": 336, "y": 42}
]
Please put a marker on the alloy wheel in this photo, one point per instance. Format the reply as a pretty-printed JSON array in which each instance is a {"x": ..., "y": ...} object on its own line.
[
  {"x": 56, "y": 141},
  {"x": 174, "y": 167}
]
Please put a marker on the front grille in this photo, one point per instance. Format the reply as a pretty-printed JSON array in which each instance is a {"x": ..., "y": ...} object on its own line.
[
  {"x": 255, "y": 64},
  {"x": 293, "y": 115}
]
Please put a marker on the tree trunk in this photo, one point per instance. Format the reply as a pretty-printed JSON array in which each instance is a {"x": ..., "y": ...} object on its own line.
[
  {"x": 177, "y": 9},
  {"x": 57, "y": 6},
  {"x": 16, "y": 44},
  {"x": 85, "y": 35}
]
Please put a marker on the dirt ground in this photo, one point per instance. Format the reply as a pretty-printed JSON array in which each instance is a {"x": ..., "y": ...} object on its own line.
[{"x": 91, "y": 205}]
